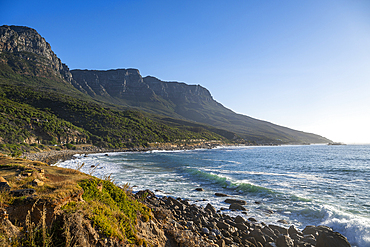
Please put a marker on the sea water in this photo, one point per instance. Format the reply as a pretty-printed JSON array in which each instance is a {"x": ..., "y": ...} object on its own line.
[{"x": 304, "y": 185}]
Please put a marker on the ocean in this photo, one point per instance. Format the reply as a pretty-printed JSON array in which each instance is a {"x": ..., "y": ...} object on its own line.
[{"x": 304, "y": 185}]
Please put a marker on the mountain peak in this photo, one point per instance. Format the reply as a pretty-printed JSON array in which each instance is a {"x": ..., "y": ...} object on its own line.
[
  {"x": 19, "y": 38},
  {"x": 20, "y": 41}
]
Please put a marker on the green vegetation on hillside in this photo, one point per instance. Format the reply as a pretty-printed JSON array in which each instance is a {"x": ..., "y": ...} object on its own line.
[{"x": 52, "y": 116}]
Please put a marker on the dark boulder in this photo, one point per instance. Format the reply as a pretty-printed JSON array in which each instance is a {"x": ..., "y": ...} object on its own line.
[
  {"x": 284, "y": 241},
  {"x": 235, "y": 206},
  {"x": 221, "y": 194},
  {"x": 235, "y": 201}
]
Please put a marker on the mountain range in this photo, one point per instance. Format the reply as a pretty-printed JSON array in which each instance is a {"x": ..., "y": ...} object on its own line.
[{"x": 28, "y": 64}]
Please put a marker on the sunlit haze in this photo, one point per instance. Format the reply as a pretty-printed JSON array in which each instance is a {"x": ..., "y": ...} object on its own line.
[{"x": 301, "y": 64}]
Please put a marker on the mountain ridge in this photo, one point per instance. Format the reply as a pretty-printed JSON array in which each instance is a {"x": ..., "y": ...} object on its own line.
[
  {"x": 190, "y": 102},
  {"x": 25, "y": 52}
]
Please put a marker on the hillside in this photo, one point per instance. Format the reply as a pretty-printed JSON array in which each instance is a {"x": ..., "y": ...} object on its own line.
[
  {"x": 127, "y": 87},
  {"x": 28, "y": 64},
  {"x": 43, "y": 205}
]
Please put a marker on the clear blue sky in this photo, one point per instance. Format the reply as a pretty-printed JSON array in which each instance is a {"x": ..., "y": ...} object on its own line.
[{"x": 300, "y": 64}]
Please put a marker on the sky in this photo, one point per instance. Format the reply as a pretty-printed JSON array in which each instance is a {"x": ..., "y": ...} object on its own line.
[{"x": 300, "y": 64}]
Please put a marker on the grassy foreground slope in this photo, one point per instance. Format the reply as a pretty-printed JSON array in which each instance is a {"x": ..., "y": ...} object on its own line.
[{"x": 45, "y": 205}]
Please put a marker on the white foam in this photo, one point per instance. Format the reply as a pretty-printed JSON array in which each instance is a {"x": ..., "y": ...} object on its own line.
[{"x": 355, "y": 228}]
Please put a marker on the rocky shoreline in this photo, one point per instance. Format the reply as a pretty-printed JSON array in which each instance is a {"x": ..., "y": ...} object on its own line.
[
  {"x": 219, "y": 229},
  {"x": 192, "y": 225},
  {"x": 53, "y": 156}
]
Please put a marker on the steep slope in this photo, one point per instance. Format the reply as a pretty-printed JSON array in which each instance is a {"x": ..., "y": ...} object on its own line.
[{"x": 179, "y": 100}]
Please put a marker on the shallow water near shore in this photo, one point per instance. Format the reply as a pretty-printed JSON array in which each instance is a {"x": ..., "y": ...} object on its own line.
[{"x": 304, "y": 185}]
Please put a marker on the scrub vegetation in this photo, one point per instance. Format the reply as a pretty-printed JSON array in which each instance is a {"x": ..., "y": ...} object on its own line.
[{"x": 66, "y": 208}]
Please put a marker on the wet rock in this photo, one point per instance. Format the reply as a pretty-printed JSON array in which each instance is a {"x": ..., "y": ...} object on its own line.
[
  {"x": 235, "y": 206},
  {"x": 205, "y": 230},
  {"x": 327, "y": 238},
  {"x": 279, "y": 229},
  {"x": 239, "y": 219},
  {"x": 269, "y": 232},
  {"x": 223, "y": 225},
  {"x": 283, "y": 222},
  {"x": 284, "y": 241},
  {"x": 216, "y": 232},
  {"x": 259, "y": 236},
  {"x": 212, "y": 236},
  {"x": 210, "y": 208},
  {"x": 252, "y": 219},
  {"x": 309, "y": 239},
  {"x": 294, "y": 233},
  {"x": 199, "y": 189},
  {"x": 313, "y": 230},
  {"x": 241, "y": 227},
  {"x": 221, "y": 194},
  {"x": 235, "y": 201}
]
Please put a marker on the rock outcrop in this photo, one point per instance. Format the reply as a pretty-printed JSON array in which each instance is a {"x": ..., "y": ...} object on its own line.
[
  {"x": 24, "y": 41},
  {"x": 128, "y": 84}
]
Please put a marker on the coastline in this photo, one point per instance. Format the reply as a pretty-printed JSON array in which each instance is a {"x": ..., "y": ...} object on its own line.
[
  {"x": 53, "y": 156},
  {"x": 206, "y": 226}
]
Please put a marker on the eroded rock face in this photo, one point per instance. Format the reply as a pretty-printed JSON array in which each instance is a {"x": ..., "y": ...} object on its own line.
[
  {"x": 24, "y": 40},
  {"x": 120, "y": 83},
  {"x": 129, "y": 84}
]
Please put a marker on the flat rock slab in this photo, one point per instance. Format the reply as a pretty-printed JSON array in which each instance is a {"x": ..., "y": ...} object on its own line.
[{"x": 235, "y": 201}]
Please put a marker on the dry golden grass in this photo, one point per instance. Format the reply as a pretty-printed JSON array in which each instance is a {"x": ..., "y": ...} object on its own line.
[
  {"x": 58, "y": 182},
  {"x": 112, "y": 211}
]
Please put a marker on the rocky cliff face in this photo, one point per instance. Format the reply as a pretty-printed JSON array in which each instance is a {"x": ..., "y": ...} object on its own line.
[
  {"x": 129, "y": 84},
  {"x": 24, "y": 41},
  {"x": 178, "y": 92},
  {"x": 120, "y": 83}
]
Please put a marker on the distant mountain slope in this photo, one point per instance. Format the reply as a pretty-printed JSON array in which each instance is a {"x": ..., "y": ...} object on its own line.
[
  {"x": 179, "y": 100},
  {"x": 40, "y": 104},
  {"x": 26, "y": 60}
]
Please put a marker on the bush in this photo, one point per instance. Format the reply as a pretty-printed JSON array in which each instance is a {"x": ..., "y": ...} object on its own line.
[{"x": 70, "y": 146}]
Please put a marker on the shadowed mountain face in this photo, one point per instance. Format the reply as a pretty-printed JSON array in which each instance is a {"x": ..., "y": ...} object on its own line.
[{"x": 25, "y": 55}]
